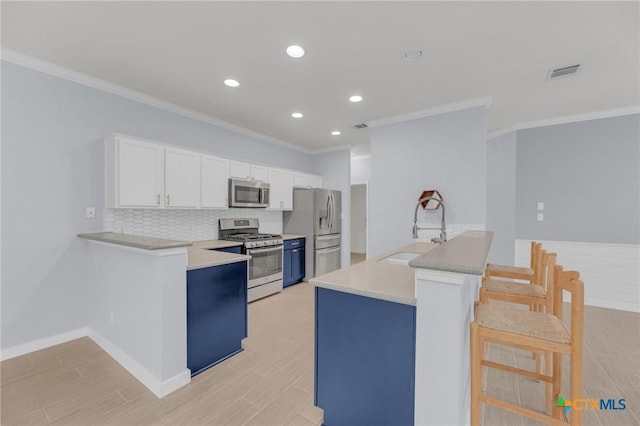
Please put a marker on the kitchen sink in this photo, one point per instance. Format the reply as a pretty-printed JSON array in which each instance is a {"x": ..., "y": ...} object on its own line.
[{"x": 400, "y": 258}]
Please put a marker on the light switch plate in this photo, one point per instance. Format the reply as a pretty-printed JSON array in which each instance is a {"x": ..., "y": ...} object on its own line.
[
  {"x": 540, "y": 205},
  {"x": 90, "y": 212},
  {"x": 540, "y": 217}
]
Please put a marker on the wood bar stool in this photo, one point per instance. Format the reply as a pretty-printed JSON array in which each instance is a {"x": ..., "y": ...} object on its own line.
[
  {"x": 537, "y": 293},
  {"x": 538, "y": 332},
  {"x": 517, "y": 272}
]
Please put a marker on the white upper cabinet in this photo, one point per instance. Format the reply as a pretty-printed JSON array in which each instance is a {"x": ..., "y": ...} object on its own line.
[
  {"x": 181, "y": 178},
  {"x": 215, "y": 182},
  {"x": 134, "y": 171},
  {"x": 281, "y": 189},
  {"x": 144, "y": 174},
  {"x": 301, "y": 180},
  {"x": 315, "y": 181},
  {"x": 260, "y": 173},
  {"x": 240, "y": 170}
]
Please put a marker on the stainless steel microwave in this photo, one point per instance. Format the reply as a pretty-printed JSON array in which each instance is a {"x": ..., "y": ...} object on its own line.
[{"x": 248, "y": 193}]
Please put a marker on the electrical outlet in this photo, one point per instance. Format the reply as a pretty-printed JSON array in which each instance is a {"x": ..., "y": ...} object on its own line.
[
  {"x": 111, "y": 317},
  {"x": 90, "y": 212},
  {"x": 540, "y": 217},
  {"x": 540, "y": 205}
]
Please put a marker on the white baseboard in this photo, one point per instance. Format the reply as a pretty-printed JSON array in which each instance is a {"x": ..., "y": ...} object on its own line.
[
  {"x": 39, "y": 344},
  {"x": 610, "y": 272},
  {"x": 160, "y": 389}
]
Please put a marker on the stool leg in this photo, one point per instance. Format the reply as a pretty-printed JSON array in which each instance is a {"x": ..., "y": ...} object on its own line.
[
  {"x": 576, "y": 383},
  {"x": 557, "y": 384},
  {"x": 548, "y": 387},
  {"x": 475, "y": 375}
]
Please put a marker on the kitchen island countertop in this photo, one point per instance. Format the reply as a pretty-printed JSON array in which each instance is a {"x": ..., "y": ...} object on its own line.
[
  {"x": 372, "y": 278},
  {"x": 204, "y": 254}
]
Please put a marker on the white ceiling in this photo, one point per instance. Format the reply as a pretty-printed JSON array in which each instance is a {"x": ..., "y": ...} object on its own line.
[{"x": 181, "y": 52}]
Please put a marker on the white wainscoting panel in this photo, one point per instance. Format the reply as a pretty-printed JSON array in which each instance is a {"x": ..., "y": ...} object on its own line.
[{"x": 611, "y": 272}]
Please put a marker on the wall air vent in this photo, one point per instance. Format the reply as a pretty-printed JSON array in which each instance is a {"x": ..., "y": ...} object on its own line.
[
  {"x": 558, "y": 72},
  {"x": 361, "y": 126}
]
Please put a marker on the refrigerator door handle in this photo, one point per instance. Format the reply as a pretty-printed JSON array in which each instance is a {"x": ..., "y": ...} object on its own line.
[
  {"x": 333, "y": 211},
  {"x": 330, "y": 209}
]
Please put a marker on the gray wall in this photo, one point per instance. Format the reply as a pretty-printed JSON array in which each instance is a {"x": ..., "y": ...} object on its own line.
[
  {"x": 588, "y": 176},
  {"x": 444, "y": 152},
  {"x": 335, "y": 168},
  {"x": 52, "y": 168},
  {"x": 501, "y": 197}
]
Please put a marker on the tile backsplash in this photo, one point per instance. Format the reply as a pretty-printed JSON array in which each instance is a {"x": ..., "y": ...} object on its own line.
[{"x": 189, "y": 225}]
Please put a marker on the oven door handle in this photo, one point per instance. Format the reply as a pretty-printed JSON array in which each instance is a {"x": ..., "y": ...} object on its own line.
[{"x": 263, "y": 250}]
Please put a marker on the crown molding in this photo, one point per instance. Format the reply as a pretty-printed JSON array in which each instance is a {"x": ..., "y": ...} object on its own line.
[
  {"x": 332, "y": 149},
  {"x": 617, "y": 112},
  {"x": 596, "y": 115},
  {"x": 455, "y": 106},
  {"x": 105, "y": 86},
  {"x": 361, "y": 157},
  {"x": 500, "y": 132}
]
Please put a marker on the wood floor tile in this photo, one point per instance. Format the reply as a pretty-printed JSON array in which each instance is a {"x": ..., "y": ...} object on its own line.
[
  {"x": 271, "y": 382},
  {"x": 269, "y": 390},
  {"x": 282, "y": 409}
]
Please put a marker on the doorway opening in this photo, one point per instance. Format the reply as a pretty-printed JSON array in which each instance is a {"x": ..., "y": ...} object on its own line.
[{"x": 358, "y": 223}]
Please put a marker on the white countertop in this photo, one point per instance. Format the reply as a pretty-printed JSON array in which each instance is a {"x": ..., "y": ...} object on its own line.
[
  {"x": 136, "y": 241},
  {"x": 200, "y": 254},
  {"x": 464, "y": 254},
  {"x": 371, "y": 278},
  {"x": 292, "y": 236}
]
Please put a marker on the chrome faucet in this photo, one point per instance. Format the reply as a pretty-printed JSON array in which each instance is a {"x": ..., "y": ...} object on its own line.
[{"x": 416, "y": 228}]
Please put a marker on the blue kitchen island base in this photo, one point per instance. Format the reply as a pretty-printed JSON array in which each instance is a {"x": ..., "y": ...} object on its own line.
[{"x": 364, "y": 360}]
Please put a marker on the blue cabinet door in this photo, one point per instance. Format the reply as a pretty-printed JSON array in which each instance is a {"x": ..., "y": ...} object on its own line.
[
  {"x": 297, "y": 265},
  {"x": 287, "y": 266},
  {"x": 216, "y": 314},
  {"x": 293, "y": 264},
  {"x": 365, "y": 360}
]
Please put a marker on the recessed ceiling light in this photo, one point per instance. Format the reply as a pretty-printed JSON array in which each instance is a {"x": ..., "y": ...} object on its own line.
[
  {"x": 231, "y": 82},
  {"x": 355, "y": 98},
  {"x": 412, "y": 55},
  {"x": 336, "y": 133},
  {"x": 295, "y": 51},
  {"x": 297, "y": 115}
]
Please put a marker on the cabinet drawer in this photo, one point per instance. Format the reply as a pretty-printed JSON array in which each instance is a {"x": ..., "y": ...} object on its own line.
[{"x": 291, "y": 244}]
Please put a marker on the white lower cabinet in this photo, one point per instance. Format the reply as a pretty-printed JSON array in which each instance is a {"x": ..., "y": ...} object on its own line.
[
  {"x": 281, "y": 189},
  {"x": 215, "y": 182},
  {"x": 181, "y": 178}
]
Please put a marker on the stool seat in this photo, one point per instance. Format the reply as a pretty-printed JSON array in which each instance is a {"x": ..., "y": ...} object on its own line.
[
  {"x": 501, "y": 270},
  {"x": 523, "y": 322},
  {"x": 515, "y": 288}
]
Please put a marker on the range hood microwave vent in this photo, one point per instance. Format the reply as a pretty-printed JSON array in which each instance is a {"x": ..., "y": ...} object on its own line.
[{"x": 559, "y": 72}]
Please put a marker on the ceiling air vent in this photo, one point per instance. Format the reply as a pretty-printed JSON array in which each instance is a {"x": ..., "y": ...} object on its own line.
[
  {"x": 360, "y": 126},
  {"x": 558, "y": 72}
]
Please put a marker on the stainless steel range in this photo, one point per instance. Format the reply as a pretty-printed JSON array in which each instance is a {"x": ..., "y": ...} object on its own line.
[{"x": 265, "y": 265}]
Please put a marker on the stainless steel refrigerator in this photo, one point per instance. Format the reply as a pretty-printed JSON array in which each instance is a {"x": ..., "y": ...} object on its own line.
[{"x": 317, "y": 215}]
